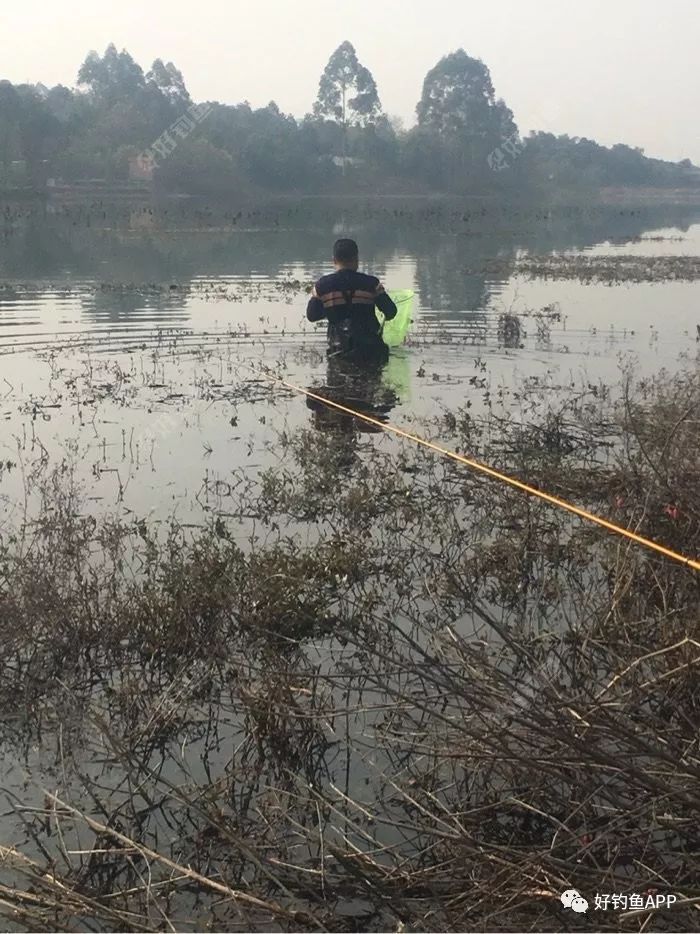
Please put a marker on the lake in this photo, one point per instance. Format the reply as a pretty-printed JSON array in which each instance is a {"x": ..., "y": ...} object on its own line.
[
  {"x": 127, "y": 333},
  {"x": 141, "y": 349}
]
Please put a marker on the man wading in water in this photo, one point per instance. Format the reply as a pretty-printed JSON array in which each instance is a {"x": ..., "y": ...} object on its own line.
[{"x": 347, "y": 298}]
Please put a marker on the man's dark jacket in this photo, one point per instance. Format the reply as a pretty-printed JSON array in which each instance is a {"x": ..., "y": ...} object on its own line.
[{"x": 347, "y": 299}]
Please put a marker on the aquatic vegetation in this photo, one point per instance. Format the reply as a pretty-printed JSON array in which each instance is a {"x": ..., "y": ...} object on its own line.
[
  {"x": 612, "y": 269},
  {"x": 407, "y": 699}
]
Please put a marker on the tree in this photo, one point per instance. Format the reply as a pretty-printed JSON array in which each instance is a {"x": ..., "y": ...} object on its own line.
[
  {"x": 119, "y": 112},
  {"x": 115, "y": 75},
  {"x": 342, "y": 77},
  {"x": 169, "y": 81},
  {"x": 458, "y": 105},
  {"x": 272, "y": 154},
  {"x": 129, "y": 108},
  {"x": 30, "y": 134},
  {"x": 11, "y": 150},
  {"x": 458, "y": 96},
  {"x": 200, "y": 168}
]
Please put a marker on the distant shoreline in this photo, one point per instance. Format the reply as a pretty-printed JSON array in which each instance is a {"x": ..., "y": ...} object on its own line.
[{"x": 638, "y": 196}]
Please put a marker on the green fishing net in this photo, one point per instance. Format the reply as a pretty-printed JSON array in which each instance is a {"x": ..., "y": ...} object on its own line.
[{"x": 394, "y": 332}]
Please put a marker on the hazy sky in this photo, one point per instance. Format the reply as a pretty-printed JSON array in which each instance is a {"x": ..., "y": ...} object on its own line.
[{"x": 613, "y": 70}]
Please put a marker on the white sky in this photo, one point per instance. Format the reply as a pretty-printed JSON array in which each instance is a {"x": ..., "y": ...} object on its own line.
[{"x": 613, "y": 70}]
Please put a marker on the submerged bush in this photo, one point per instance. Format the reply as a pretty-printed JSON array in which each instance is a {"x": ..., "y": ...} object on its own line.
[{"x": 415, "y": 700}]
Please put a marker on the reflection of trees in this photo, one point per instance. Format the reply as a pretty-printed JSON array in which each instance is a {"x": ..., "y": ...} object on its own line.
[
  {"x": 444, "y": 277},
  {"x": 449, "y": 265},
  {"x": 451, "y": 243},
  {"x": 33, "y": 250},
  {"x": 64, "y": 253},
  {"x": 131, "y": 305}
]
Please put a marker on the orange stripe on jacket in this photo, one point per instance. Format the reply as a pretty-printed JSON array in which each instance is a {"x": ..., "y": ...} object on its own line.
[
  {"x": 337, "y": 302},
  {"x": 354, "y": 293},
  {"x": 360, "y": 297}
]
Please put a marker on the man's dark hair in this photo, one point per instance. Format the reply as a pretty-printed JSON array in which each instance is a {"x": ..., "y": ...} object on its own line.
[{"x": 345, "y": 251}]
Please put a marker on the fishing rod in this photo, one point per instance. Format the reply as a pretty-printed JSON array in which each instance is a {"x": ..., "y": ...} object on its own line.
[{"x": 491, "y": 472}]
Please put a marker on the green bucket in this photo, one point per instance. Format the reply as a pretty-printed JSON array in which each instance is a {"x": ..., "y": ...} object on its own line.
[{"x": 394, "y": 332}]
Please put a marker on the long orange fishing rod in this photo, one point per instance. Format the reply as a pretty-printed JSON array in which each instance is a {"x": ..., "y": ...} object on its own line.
[{"x": 494, "y": 474}]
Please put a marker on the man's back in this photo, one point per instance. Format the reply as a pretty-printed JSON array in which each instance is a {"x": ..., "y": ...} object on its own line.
[{"x": 347, "y": 298}]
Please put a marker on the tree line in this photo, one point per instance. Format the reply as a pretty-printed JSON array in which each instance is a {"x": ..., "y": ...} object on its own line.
[{"x": 465, "y": 139}]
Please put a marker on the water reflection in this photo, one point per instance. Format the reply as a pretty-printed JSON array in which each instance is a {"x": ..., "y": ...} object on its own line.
[
  {"x": 367, "y": 388},
  {"x": 151, "y": 244},
  {"x": 444, "y": 251}
]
